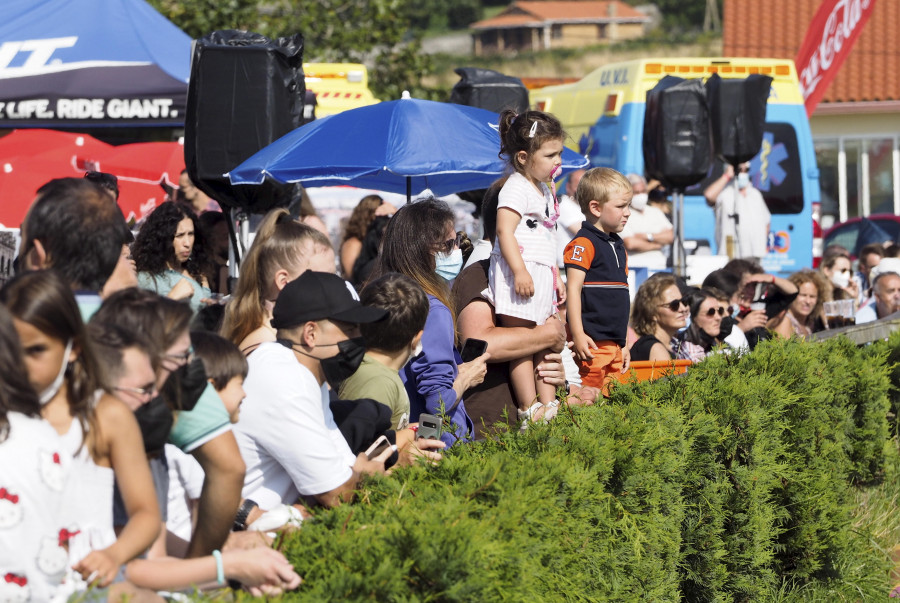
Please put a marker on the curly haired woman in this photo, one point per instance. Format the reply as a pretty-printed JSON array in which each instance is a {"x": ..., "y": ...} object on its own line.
[{"x": 170, "y": 255}]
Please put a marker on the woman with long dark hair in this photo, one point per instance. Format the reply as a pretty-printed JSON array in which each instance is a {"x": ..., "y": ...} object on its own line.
[
  {"x": 707, "y": 312},
  {"x": 171, "y": 257},
  {"x": 421, "y": 243}
]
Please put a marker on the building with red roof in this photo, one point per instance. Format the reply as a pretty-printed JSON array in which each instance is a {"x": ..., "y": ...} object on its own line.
[{"x": 541, "y": 25}]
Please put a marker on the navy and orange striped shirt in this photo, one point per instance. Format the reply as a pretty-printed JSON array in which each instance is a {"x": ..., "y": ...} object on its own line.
[{"x": 605, "y": 302}]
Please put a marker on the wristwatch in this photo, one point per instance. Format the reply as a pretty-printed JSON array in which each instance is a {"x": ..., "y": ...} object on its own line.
[
  {"x": 240, "y": 520},
  {"x": 649, "y": 238}
]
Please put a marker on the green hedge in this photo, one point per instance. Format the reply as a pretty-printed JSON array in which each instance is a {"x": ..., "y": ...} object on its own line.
[{"x": 734, "y": 482}]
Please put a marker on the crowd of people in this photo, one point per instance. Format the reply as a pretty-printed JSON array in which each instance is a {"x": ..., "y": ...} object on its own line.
[{"x": 161, "y": 423}]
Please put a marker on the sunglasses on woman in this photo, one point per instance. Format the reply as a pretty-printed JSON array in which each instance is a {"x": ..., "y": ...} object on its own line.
[
  {"x": 674, "y": 304},
  {"x": 450, "y": 244},
  {"x": 722, "y": 311}
]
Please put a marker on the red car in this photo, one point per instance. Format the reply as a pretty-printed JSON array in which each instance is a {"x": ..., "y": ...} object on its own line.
[{"x": 847, "y": 234}]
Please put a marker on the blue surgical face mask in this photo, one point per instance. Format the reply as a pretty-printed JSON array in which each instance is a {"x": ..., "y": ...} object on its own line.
[
  {"x": 743, "y": 180},
  {"x": 448, "y": 266}
]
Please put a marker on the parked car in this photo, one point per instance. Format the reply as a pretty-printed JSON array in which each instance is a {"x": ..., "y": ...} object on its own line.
[{"x": 857, "y": 232}]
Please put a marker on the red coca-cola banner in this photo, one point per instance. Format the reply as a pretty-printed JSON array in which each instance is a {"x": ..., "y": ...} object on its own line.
[{"x": 828, "y": 41}]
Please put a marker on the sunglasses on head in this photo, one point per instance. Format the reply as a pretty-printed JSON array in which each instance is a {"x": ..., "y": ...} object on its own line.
[{"x": 674, "y": 304}]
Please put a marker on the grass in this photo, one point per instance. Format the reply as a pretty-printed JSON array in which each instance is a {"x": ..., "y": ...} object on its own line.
[{"x": 864, "y": 570}]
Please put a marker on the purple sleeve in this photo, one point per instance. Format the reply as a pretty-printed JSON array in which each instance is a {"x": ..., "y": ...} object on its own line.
[
  {"x": 432, "y": 373},
  {"x": 435, "y": 369}
]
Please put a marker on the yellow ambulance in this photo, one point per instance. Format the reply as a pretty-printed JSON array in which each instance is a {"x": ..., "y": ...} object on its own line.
[{"x": 338, "y": 86}]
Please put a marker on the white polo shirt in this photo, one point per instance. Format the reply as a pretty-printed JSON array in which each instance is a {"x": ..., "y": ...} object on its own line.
[{"x": 286, "y": 432}]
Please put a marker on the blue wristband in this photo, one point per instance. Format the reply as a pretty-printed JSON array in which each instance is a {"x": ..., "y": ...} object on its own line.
[{"x": 220, "y": 568}]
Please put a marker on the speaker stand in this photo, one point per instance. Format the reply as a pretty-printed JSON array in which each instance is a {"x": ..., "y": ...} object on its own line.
[{"x": 679, "y": 261}]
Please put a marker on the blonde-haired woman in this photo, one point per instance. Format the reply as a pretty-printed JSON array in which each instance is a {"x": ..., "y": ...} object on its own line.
[{"x": 282, "y": 250}]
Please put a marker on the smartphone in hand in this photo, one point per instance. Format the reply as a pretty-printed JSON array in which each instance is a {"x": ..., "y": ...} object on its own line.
[
  {"x": 429, "y": 427},
  {"x": 472, "y": 349},
  {"x": 377, "y": 447}
]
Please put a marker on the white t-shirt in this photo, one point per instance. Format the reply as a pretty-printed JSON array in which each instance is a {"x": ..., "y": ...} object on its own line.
[
  {"x": 185, "y": 484},
  {"x": 286, "y": 433},
  {"x": 536, "y": 242},
  {"x": 567, "y": 226},
  {"x": 33, "y": 479},
  {"x": 867, "y": 313},
  {"x": 754, "y": 218},
  {"x": 650, "y": 220}
]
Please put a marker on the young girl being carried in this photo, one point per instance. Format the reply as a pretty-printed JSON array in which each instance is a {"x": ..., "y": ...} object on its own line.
[
  {"x": 525, "y": 286},
  {"x": 98, "y": 431}
]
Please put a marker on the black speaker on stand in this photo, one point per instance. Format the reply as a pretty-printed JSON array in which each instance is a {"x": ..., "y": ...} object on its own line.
[
  {"x": 245, "y": 92},
  {"x": 677, "y": 145},
  {"x": 737, "y": 120}
]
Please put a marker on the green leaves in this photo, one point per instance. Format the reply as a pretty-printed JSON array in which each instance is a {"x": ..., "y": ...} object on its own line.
[
  {"x": 732, "y": 483},
  {"x": 358, "y": 31}
]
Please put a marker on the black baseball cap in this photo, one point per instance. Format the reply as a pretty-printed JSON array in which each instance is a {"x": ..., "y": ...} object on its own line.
[{"x": 321, "y": 296}]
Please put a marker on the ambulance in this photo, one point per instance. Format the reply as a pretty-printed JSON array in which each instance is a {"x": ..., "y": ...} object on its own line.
[
  {"x": 603, "y": 114},
  {"x": 338, "y": 86}
]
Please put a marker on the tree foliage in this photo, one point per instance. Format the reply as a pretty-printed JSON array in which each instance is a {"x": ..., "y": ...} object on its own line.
[{"x": 374, "y": 32}]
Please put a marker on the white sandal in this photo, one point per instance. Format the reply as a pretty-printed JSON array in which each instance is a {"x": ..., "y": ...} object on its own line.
[{"x": 527, "y": 416}]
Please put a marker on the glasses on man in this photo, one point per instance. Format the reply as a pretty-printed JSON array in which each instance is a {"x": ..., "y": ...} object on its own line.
[
  {"x": 148, "y": 391},
  {"x": 674, "y": 304},
  {"x": 450, "y": 244}
]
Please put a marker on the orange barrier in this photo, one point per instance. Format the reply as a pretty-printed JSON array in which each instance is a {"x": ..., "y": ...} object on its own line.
[{"x": 648, "y": 370}]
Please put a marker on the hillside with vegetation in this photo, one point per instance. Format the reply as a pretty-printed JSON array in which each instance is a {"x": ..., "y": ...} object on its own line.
[{"x": 387, "y": 35}]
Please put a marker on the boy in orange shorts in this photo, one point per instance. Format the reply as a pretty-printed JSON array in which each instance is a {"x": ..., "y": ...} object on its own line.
[{"x": 597, "y": 278}]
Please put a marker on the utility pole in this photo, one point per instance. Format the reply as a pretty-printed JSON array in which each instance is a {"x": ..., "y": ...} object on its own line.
[{"x": 711, "y": 21}]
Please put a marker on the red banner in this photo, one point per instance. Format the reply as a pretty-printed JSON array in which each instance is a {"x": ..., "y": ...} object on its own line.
[{"x": 828, "y": 41}]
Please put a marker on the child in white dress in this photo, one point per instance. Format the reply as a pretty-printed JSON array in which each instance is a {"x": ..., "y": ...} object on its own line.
[
  {"x": 525, "y": 287},
  {"x": 32, "y": 480},
  {"x": 99, "y": 434}
]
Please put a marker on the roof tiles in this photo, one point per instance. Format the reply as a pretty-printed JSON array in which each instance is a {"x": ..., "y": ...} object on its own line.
[
  {"x": 531, "y": 12},
  {"x": 776, "y": 28}
]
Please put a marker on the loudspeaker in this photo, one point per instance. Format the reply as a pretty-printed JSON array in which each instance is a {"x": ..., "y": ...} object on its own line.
[
  {"x": 488, "y": 89},
  {"x": 676, "y": 138},
  {"x": 245, "y": 92},
  {"x": 737, "y": 115}
]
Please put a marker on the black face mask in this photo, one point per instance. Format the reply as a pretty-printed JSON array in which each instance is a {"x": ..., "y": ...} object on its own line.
[
  {"x": 726, "y": 328},
  {"x": 155, "y": 420},
  {"x": 340, "y": 366},
  {"x": 185, "y": 385},
  {"x": 345, "y": 362}
]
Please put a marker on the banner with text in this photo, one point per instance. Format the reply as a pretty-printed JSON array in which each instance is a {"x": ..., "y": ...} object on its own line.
[{"x": 835, "y": 27}]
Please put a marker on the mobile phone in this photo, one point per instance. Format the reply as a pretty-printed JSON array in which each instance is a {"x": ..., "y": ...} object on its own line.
[
  {"x": 429, "y": 427},
  {"x": 377, "y": 447},
  {"x": 472, "y": 349}
]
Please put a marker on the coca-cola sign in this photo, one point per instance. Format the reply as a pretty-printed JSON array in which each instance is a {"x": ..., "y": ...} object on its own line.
[{"x": 828, "y": 41}]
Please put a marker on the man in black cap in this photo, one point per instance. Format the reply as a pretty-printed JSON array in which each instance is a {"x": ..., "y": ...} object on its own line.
[{"x": 287, "y": 434}]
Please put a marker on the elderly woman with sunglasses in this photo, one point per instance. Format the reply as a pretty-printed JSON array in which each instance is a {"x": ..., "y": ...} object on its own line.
[
  {"x": 704, "y": 334},
  {"x": 657, "y": 314}
]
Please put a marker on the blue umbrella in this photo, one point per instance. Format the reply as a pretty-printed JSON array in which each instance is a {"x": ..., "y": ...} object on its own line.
[{"x": 401, "y": 146}]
